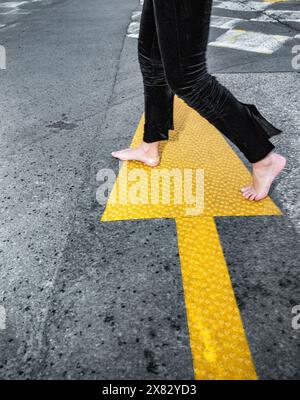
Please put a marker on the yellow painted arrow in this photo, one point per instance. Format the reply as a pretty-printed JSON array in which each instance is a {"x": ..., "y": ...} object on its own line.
[{"x": 218, "y": 342}]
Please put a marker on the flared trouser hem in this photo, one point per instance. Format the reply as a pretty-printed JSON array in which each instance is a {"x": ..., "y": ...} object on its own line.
[{"x": 155, "y": 133}]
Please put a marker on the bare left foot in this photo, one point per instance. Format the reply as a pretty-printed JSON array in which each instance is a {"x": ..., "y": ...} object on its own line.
[
  {"x": 264, "y": 173},
  {"x": 145, "y": 152}
]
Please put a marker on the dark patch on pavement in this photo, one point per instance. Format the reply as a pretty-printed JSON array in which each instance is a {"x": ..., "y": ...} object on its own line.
[
  {"x": 152, "y": 366},
  {"x": 63, "y": 125}
]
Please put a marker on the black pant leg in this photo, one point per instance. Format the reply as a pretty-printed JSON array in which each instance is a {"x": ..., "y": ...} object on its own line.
[
  {"x": 183, "y": 28},
  {"x": 158, "y": 96}
]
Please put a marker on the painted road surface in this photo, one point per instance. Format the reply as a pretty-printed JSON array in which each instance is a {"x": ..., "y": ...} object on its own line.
[{"x": 95, "y": 291}]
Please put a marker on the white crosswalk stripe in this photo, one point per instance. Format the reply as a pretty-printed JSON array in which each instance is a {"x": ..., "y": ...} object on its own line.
[
  {"x": 224, "y": 22},
  {"x": 241, "y": 6},
  {"x": 250, "y": 41},
  {"x": 279, "y": 15}
]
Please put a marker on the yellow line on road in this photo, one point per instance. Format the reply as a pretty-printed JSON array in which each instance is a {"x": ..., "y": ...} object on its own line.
[{"x": 218, "y": 342}]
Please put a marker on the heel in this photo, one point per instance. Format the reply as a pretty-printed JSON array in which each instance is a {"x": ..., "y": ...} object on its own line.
[{"x": 152, "y": 162}]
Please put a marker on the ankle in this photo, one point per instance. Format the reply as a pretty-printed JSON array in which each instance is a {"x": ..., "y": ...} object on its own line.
[
  {"x": 265, "y": 162},
  {"x": 151, "y": 148}
]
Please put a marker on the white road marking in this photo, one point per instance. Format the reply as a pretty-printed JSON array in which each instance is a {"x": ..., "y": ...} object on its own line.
[
  {"x": 278, "y": 15},
  {"x": 2, "y": 318},
  {"x": 13, "y": 9},
  {"x": 249, "y": 6},
  {"x": 133, "y": 30},
  {"x": 13, "y": 4},
  {"x": 17, "y": 4},
  {"x": 224, "y": 22},
  {"x": 250, "y": 41},
  {"x": 136, "y": 16}
]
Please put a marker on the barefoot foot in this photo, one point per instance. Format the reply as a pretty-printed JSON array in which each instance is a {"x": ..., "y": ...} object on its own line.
[
  {"x": 145, "y": 152},
  {"x": 264, "y": 173}
]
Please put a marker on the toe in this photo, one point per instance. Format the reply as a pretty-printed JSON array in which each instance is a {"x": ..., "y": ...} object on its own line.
[
  {"x": 246, "y": 188},
  {"x": 261, "y": 196},
  {"x": 121, "y": 156},
  {"x": 116, "y": 153},
  {"x": 252, "y": 196},
  {"x": 248, "y": 194}
]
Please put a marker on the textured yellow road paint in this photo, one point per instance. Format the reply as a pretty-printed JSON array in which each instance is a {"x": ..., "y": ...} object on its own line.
[
  {"x": 195, "y": 144},
  {"x": 218, "y": 343}
]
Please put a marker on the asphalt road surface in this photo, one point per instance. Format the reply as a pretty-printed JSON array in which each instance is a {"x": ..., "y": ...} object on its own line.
[{"x": 81, "y": 299}]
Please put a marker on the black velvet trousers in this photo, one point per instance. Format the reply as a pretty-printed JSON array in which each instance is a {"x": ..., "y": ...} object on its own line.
[{"x": 172, "y": 56}]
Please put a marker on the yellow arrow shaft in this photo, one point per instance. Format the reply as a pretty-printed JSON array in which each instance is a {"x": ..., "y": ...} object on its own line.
[{"x": 218, "y": 343}]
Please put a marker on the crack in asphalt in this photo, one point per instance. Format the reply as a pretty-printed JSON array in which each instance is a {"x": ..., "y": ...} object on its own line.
[{"x": 277, "y": 19}]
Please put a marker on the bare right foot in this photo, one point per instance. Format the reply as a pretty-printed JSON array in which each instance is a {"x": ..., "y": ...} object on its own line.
[
  {"x": 264, "y": 173},
  {"x": 145, "y": 152}
]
